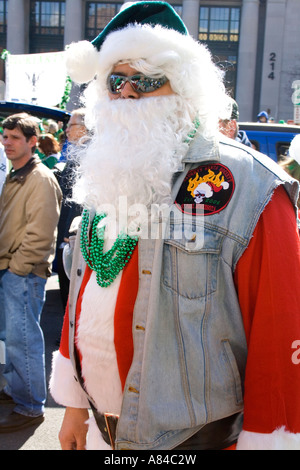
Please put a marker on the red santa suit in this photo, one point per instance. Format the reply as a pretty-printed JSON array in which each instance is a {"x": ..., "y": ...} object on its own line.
[{"x": 267, "y": 281}]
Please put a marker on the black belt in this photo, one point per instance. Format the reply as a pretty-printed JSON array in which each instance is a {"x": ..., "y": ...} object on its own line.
[{"x": 107, "y": 422}]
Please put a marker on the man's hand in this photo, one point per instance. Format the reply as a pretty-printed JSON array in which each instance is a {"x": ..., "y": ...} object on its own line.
[{"x": 73, "y": 431}]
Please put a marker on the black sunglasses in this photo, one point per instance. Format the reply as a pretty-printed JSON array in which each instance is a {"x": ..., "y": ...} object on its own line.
[{"x": 139, "y": 82}]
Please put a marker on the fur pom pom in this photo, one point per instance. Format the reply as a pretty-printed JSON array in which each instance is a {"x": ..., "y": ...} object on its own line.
[{"x": 81, "y": 61}]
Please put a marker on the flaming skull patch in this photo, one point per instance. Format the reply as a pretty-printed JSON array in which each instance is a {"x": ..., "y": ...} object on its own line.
[{"x": 206, "y": 190}]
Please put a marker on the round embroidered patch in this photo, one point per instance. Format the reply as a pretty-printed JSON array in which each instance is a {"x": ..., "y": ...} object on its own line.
[{"x": 206, "y": 190}]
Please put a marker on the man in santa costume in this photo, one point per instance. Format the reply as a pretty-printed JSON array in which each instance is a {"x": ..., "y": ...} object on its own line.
[{"x": 182, "y": 329}]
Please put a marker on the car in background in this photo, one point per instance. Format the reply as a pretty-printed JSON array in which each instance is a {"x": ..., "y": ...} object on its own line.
[
  {"x": 7, "y": 108},
  {"x": 271, "y": 139}
]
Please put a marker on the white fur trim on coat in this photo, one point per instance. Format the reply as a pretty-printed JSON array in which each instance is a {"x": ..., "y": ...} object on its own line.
[
  {"x": 64, "y": 389},
  {"x": 95, "y": 340},
  {"x": 277, "y": 440}
]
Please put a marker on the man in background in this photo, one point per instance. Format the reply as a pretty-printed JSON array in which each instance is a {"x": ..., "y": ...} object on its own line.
[
  {"x": 230, "y": 127},
  {"x": 29, "y": 211},
  {"x": 77, "y": 135}
]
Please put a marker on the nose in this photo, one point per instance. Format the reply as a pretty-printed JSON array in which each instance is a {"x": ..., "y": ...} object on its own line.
[{"x": 128, "y": 92}]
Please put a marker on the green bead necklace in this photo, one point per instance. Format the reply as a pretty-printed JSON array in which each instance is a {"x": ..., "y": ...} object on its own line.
[{"x": 106, "y": 265}]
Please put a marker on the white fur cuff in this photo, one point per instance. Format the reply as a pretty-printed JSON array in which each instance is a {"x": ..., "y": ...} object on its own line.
[
  {"x": 63, "y": 387},
  {"x": 94, "y": 438},
  {"x": 277, "y": 440}
]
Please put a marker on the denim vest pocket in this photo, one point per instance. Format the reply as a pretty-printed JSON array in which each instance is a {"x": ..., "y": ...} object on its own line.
[
  {"x": 231, "y": 361},
  {"x": 190, "y": 263}
]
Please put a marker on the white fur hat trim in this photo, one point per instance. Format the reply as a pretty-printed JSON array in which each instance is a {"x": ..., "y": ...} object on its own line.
[{"x": 167, "y": 51}]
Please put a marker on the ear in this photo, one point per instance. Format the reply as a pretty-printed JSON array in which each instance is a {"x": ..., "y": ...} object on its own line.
[{"x": 33, "y": 141}]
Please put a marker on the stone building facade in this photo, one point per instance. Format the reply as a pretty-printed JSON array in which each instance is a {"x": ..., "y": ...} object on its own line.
[{"x": 256, "y": 42}]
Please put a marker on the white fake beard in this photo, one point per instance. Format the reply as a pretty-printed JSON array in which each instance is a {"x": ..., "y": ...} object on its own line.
[{"x": 137, "y": 147}]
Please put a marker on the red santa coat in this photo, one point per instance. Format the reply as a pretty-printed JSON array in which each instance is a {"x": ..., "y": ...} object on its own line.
[{"x": 267, "y": 280}]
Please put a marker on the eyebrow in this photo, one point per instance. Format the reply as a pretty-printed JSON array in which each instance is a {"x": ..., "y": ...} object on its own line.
[{"x": 12, "y": 134}]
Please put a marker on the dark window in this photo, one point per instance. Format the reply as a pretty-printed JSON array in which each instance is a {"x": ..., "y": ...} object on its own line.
[
  {"x": 178, "y": 9},
  {"x": 3, "y": 35},
  {"x": 3, "y": 23},
  {"x": 282, "y": 149},
  {"x": 47, "y": 20},
  {"x": 98, "y": 14},
  {"x": 219, "y": 28},
  {"x": 219, "y": 24}
]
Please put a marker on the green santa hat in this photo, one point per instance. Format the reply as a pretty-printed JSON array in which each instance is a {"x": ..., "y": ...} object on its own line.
[
  {"x": 151, "y": 13},
  {"x": 83, "y": 57},
  {"x": 152, "y": 38}
]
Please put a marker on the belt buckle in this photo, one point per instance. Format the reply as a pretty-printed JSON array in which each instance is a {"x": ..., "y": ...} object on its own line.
[{"x": 111, "y": 421}]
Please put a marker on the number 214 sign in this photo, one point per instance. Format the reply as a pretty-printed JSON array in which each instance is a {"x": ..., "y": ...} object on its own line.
[{"x": 272, "y": 61}]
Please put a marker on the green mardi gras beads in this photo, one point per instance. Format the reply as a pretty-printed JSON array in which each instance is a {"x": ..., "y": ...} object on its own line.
[{"x": 106, "y": 265}]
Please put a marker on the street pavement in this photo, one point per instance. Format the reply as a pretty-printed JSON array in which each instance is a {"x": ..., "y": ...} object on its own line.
[{"x": 44, "y": 436}]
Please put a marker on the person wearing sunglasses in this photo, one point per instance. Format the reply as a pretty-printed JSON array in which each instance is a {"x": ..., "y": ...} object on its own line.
[
  {"x": 182, "y": 329},
  {"x": 121, "y": 84}
]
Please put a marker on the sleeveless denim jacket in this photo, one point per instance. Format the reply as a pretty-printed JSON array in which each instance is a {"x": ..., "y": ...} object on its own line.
[{"x": 190, "y": 349}]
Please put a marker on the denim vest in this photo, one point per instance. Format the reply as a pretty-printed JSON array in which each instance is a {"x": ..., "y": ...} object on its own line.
[{"x": 190, "y": 349}]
